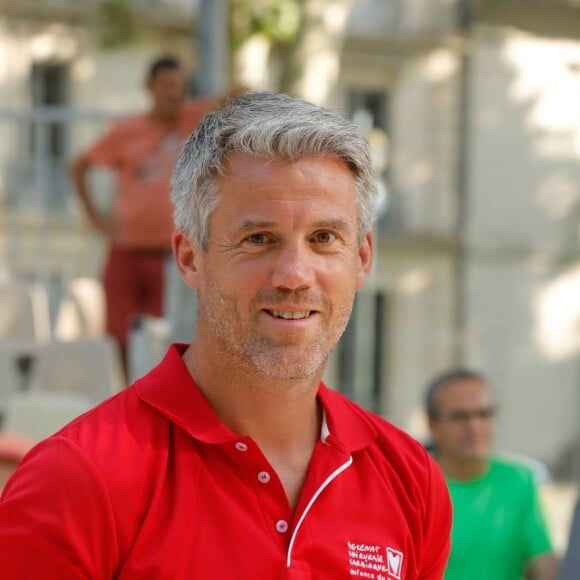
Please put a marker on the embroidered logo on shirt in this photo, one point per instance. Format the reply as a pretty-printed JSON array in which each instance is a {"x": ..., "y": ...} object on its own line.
[
  {"x": 375, "y": 562},
  {"x": 394, "y": 562}
]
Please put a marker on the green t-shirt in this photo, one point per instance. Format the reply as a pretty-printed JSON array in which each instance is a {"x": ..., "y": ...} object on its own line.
[{"x": 497, "y": 524}]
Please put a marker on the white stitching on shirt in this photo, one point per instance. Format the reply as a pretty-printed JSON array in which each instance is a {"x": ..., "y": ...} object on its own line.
[{"x": 333, "y": 475}]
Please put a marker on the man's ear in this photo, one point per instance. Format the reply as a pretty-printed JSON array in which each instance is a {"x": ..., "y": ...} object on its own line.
[
  {"x": 365, "y": 256},
  {"x": 187, "y": 255}
]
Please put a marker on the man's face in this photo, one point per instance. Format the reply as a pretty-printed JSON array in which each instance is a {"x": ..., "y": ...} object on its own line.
[
  {"x": 462, "y": 430},
  {"x": 277, "y": 282},
  {"x": 167, "y": 89}
]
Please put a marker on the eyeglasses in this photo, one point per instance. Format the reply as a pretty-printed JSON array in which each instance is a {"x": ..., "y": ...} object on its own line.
[{"x": 460, "y": 417}]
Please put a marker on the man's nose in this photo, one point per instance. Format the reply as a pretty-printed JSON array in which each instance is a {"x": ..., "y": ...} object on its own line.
[{"x": 294, "y": 267}]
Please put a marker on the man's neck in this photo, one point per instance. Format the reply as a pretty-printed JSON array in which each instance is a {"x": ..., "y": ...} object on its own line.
[
  {"x": 284, "y": 418},
  {"x": 463, "y": 470},
  {"x": 163, "y": 118}
]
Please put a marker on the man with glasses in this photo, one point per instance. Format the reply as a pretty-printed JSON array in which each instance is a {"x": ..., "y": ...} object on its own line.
[{"x": 499, "y": 530}]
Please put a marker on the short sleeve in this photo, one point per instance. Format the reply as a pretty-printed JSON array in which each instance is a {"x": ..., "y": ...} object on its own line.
[
  {"x": 55, "y": 518},
  {"x": 536, "y": 536}
]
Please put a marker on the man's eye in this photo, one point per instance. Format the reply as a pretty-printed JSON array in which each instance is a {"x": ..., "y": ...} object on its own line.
[
  {"x": 323, "y": 237},
  {"x": 257, "y": 239}
]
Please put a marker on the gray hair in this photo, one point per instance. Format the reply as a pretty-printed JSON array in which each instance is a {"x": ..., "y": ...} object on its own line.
[
  {"x": 442, "y": 380},
  {"x": 271, "y": 125}
]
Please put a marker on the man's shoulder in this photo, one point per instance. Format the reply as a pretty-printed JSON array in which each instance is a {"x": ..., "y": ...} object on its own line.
[
  {"x": 388, "y": 440},
  {"x": 120, "y": 418},
  {"x": 194, "y": 110},
  {"x": 509, "y": 465},
  {"x": 512, "y": 471},
  {"x": 118, "y": 442},
  {"x": 138, "y": 424},
  {"x": 524, "y": 464},
  {"x": 128, "y": 124},
  {"x": 199, "y": 105}
]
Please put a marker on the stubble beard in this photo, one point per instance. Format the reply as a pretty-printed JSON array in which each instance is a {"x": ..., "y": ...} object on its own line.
[{"x": 261, "y": 354}]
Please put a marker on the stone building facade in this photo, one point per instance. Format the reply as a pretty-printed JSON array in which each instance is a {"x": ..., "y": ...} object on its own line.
[{"x": 471, "y": 109}]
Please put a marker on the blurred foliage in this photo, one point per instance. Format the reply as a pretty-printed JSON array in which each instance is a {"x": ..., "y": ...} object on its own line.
[
  {"x": 276, "y": 20},
  {"x": 119, "y": 25}
]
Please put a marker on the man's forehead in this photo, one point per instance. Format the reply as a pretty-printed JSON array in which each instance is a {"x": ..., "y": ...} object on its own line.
[
  {"x": 309, "y": 181},
  {"x": 237, "y": 162},
  {"x": 464, "y": 390}
]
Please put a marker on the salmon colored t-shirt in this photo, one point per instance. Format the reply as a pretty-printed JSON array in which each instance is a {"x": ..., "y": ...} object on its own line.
[{"x": 143, "y": 152}]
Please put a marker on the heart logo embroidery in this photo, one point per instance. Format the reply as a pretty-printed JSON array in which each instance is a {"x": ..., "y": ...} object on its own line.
[{"x": 394, "y": 562}]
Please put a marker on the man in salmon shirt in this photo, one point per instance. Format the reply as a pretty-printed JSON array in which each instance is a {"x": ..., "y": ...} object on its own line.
[{"x": 142, "y": 150}]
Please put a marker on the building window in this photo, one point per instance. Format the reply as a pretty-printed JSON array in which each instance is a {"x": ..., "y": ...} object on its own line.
[
  {"x": 48, "y": 146},
  {"x": 369, "y": 109}
]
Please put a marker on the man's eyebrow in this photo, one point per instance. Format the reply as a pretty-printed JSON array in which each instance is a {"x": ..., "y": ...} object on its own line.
[
  {"x": 250, "y": 224},
  {"x": 332, "y": 224}
]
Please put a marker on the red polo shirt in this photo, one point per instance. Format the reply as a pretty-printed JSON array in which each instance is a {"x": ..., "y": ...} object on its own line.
[{"x": 150, "y": 485}]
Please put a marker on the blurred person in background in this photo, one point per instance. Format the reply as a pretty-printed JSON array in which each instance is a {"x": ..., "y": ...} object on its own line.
[
  {"x": 142, "y": 150},
  {"x": 499, "y": 530},
  {"x": 13, "y": 448},
  {"x": 231, "y": 459}
]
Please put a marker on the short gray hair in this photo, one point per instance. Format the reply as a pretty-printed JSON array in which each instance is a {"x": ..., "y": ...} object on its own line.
[
  {"x": 442, "y": 380},
  {"x": 271, "y": 125}
]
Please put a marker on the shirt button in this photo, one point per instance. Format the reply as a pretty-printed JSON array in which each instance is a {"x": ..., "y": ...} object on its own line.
[
  {"x": 241, "y": 446},
  {"x": 281, "y": 526},
  {"x": 263, "y": 477}
]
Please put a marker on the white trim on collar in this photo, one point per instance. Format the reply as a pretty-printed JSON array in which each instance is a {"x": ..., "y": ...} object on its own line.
[{"x": 324, "y": 431}]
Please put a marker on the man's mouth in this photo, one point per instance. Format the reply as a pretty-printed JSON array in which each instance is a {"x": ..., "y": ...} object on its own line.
[{"x": 290, "y": 315}]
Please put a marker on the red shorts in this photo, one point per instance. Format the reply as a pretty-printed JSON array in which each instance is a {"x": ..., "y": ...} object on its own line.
[{"x": 134, "y": 282}]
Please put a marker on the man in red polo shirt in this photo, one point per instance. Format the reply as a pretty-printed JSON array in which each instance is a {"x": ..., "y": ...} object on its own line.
[{"x": 231, "y": 459}]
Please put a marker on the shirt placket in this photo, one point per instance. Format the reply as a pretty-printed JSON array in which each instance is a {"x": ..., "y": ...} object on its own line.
[
  {"x": 268, "y": 490},
  {"x": 330, "y": 459}
]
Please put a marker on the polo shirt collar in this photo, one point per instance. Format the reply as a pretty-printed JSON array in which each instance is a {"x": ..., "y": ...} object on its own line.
[{"x": 171, "y": 391}]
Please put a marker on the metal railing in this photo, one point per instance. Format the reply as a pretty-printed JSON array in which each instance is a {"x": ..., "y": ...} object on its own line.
[{"x": 43, "y": 234}]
